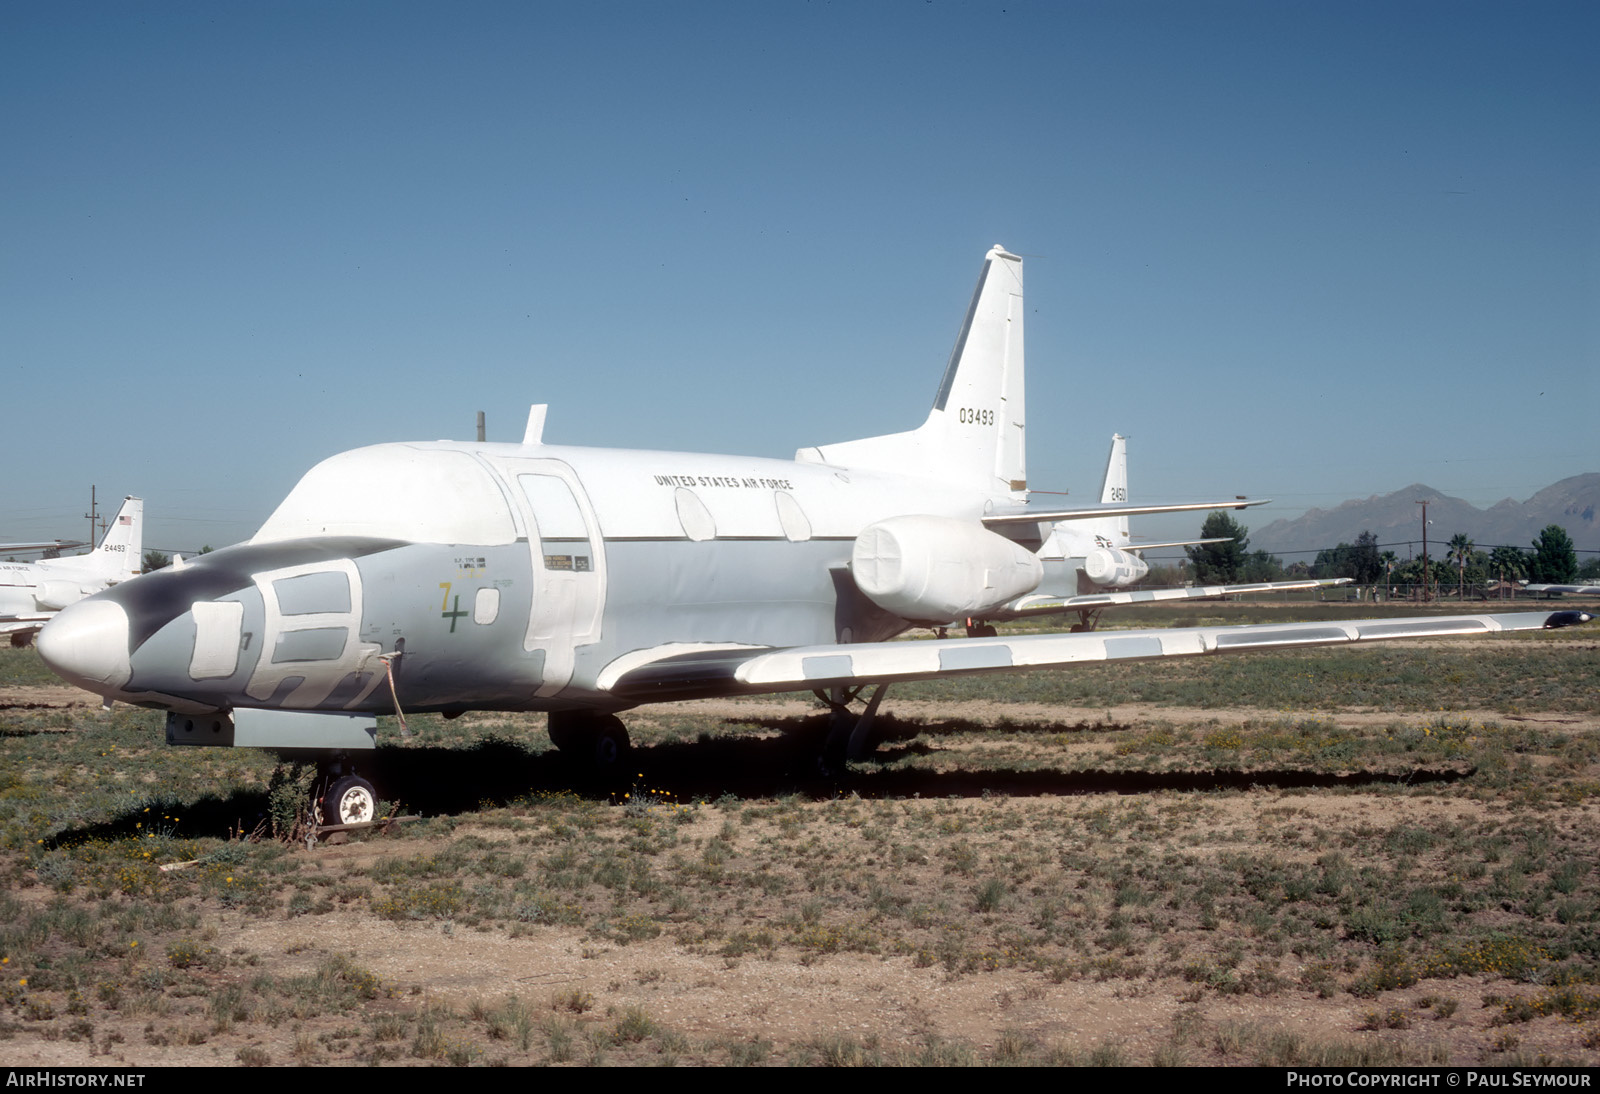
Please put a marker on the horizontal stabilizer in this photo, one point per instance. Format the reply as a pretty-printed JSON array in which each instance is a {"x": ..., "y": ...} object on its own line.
[
  {"x": 1177, "y": 543},
  {"x": 734, "y": 672},
  {"x": 1024, "y": 515},
  {"x": 43, "y": 545}
]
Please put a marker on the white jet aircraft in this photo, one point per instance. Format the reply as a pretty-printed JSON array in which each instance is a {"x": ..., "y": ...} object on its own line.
[
  {"x": 1097, "y": 553},
  {"x": 33, "y": 592},
  {"x": 453, "y": 576}
]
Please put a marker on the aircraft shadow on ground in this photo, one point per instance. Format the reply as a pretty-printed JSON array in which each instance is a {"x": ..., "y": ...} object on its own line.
[
  {"x": 426, "y": 781},
  {"x": 746, "y": 765}
]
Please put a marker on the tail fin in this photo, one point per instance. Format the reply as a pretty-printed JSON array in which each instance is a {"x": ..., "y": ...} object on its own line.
[
  {"x": 1114, "y": 491},
  {"x": 974, "y": 435},
  {"x": 1079, "y": 537},
  {"x": 121, "y": 552}
]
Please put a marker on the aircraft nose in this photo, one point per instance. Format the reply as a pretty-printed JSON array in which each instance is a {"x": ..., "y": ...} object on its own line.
[{"x": 87, "y": 644}]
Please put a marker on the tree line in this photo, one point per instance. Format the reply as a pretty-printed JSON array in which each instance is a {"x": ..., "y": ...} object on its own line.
[{"x": 1552, "y": 560}]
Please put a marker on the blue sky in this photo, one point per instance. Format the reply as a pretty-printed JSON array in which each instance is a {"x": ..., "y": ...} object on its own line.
[{"x": 1307, "y": 251}]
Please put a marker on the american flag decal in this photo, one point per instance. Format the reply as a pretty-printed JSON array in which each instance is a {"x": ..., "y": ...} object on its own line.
[{"x": 124, "y": 520}]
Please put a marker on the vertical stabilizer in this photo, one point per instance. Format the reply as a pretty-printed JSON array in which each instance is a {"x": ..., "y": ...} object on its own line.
[
  {"x": 1114, "y": 491},
  {"x": 121, "y": 552},
  {"x": 1071, "y": 538},
  {"x": 974, "y": 435}
]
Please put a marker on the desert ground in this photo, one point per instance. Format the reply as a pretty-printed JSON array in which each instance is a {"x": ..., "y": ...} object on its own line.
[{"x": 1366, "y": 856}]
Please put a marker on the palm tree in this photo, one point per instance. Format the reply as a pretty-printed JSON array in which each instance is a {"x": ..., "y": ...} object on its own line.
[
  {"x": 1509, "y": 563},
  {"x": 1388, "y": 558},
  {"x": 1460, "y": 551}
]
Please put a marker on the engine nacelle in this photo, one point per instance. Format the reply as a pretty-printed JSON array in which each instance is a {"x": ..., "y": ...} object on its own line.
[
  {"x": 938, "y": 569},
  {"x": 52, "y": 596},
  {"x": 1109, "y": 566}
]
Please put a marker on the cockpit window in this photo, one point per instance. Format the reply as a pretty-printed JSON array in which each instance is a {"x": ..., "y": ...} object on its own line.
[
  {"x": 395, "y": 491},
  {"x": 328, "y": 591}
]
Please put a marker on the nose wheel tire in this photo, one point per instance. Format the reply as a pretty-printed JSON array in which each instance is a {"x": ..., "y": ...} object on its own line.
[{"x": 350, "y": 800}]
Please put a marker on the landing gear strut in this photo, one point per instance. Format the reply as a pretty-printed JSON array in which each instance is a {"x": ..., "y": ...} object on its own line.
[
  {"x": 1089, "y": 619},
  {"x": 850, "y": 736},
  {"x": 597, "y": 740}
]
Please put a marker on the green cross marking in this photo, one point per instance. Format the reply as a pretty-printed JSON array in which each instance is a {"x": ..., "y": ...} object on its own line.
[{"x": 455, "y": 615}]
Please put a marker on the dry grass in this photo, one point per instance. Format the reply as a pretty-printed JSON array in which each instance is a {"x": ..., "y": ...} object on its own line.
[{"x": 1264, "y": 877}]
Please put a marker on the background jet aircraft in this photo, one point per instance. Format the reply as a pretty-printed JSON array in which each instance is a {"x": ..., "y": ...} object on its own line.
[
  {"x": 32, "y": 592},
  {"x": 452, "y": 576},
  {"x": 1096, "y": 555}
]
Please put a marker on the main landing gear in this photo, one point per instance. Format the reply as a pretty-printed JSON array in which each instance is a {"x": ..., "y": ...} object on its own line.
[
  {"x": 600, "y": 741},
  {"x": 1088, "y": 620},
  {"x": 850, "y": 736}
]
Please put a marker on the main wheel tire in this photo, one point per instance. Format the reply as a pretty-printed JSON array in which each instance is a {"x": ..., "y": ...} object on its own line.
[
  {"x": 609, "y": 747},
  {"x": 350, "y": 800},
  {"x": 833, "y": 746},
  {"x": 567, "y": 729}
]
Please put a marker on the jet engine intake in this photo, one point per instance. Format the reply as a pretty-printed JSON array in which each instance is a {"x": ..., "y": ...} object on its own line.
[
  {"x": 1109, "y": 566},
  {"x": 55, "y": 595},
  {"x": 932, "y": 569}
]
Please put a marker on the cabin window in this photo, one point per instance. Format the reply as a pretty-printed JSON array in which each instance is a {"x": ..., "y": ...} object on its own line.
[
  {"x": 796, "y": 528},
  {"x": 486, "y": 606},
  {"x": 697, "y": 521}
]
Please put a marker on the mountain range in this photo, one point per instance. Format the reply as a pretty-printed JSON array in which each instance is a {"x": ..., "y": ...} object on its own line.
[{"x": 1397, "y": 519}]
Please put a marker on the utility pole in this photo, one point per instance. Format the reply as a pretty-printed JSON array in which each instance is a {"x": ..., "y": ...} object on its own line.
[
  {"x": 480, "y": 427},
  {"x": 1427, "y": 584},
  {"x": 92, "y": 515}
]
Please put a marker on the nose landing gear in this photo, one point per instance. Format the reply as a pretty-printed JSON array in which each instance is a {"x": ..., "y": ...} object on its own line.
[
  {"x": 349, "y": 800},
  {"x": 340, "y": 799}
]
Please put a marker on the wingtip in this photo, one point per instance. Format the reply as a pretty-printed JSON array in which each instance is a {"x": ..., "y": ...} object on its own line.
[{"x": 1566, "y": 619}]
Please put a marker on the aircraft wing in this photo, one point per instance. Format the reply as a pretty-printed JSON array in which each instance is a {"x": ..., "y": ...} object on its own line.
[
  {"x": 1581, "y": 590},
  {"x": 710, "y": 673},
  {"x": 1025, "y": 515},
  {"x": 26, "y": 621},
  {"x": 1048, "y": 605}
]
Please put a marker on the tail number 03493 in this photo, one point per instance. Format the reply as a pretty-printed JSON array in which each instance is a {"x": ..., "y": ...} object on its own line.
[{"x": 970, "y": 416}]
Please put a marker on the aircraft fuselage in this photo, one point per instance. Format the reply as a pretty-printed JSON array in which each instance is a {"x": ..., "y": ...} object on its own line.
[{"x": 559, "y": 564}]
